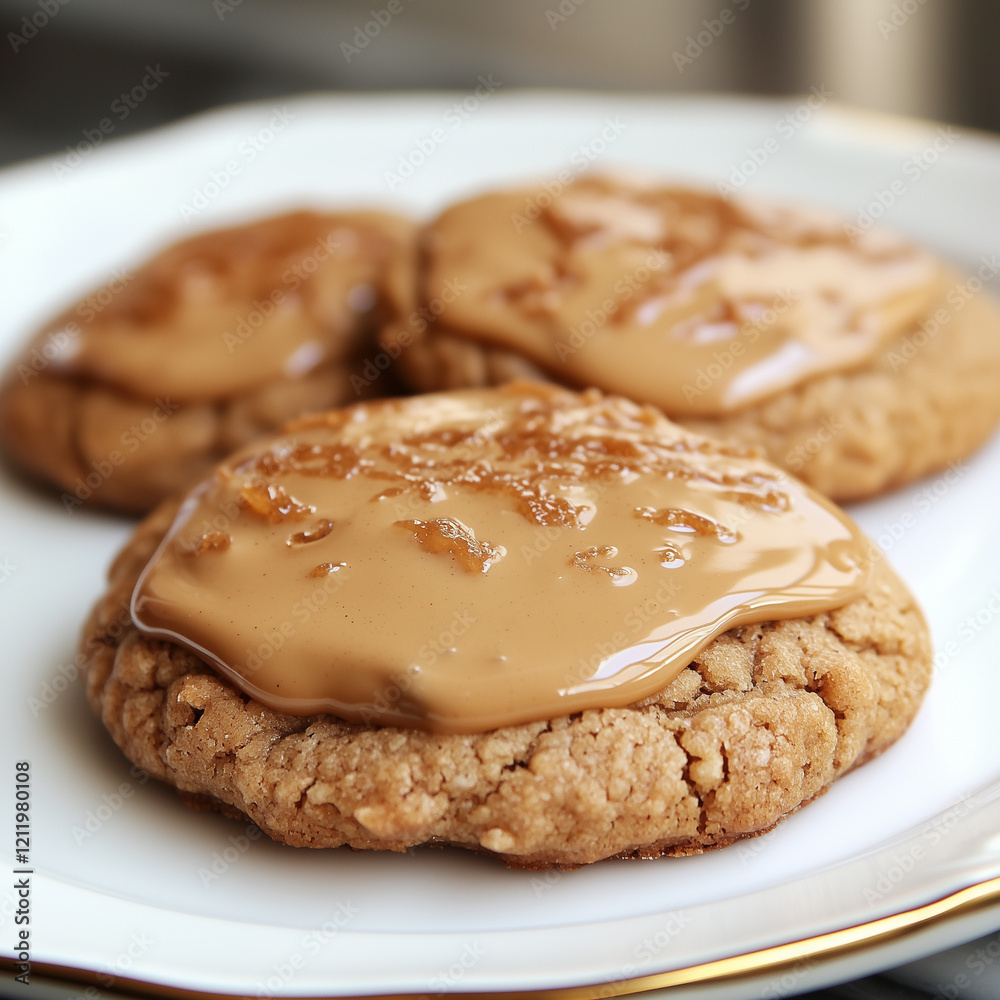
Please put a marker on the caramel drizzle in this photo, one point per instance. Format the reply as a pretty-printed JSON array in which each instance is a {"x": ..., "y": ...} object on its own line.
[
  {"x": 249, "y": 261},
  {"x": 525, "y": 461},
  {"x": 447, "y": 534},
  {"x": 695, "y": 227}
]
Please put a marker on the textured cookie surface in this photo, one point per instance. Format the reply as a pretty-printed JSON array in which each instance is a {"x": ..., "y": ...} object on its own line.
[
  {"x": 141, "y": 387},
  {"x": 579, "y": 292},
  {"x": 764, "y": 719}
]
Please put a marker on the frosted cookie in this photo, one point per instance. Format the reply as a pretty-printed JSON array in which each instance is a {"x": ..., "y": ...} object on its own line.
[
  {"x": 144, "y": 385},
  {"x": 854, "y": 359},
  {"x": 550, "y": 626}
]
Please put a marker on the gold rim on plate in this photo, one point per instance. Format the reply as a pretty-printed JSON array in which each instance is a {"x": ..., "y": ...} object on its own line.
[{"x": 775, "y": 960}]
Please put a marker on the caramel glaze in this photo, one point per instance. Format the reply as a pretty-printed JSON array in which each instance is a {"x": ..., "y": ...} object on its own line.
[
  {"x": 463, "y": 561},
  {"x": 676, "y": 297},
  {"x": 230, "y": 310}
]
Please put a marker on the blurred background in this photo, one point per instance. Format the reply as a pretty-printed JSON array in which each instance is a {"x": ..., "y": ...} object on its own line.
[{"x": 66, "y": 65}]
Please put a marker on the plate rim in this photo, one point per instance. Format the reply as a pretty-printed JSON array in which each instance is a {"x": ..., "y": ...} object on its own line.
[
  {"x": 773, "y": 960},
  {"x": 847, "y": 940}
]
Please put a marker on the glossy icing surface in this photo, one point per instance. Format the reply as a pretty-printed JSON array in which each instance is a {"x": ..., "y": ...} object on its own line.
[{"x": 463, "y": 561}]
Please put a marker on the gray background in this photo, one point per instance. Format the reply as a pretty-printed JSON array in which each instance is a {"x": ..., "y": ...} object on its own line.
[{"x": 935, "y": 58}]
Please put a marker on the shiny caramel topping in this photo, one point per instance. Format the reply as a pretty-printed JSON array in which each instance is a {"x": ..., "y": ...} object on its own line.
[
  {"x": 229, "y": 310},
  {"x": 463, "y": 561},
  {"x": 322, "y": 528},
  {"x": 445, "y": 534},
  {"x": 688, "y": 521},
  {"x": 213, "y": 541},
  {"x": 272, "y": 503},
  {"x": 587, "y": 560},
  {"x": 676, "y": 297},
  {"x": 326, "y": 569}
]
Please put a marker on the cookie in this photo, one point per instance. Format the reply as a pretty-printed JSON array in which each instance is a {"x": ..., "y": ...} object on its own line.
[
  {"x": 141, "y": 387},
  {"x": 681, "y": 644},
  {"x": 854, "y": 359}
]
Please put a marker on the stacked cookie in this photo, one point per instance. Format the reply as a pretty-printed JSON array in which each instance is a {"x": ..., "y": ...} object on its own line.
[{"x": 541, "y": 622}]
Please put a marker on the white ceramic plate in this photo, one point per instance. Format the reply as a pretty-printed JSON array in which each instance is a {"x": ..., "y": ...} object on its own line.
[{"x": 130, "y": 883}]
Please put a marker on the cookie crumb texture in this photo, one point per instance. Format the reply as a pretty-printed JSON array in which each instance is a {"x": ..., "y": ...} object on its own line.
[{"x": 761, "y": 723}]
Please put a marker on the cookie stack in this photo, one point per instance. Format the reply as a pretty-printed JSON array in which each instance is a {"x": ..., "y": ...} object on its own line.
[{"x": 581, "y": 595}]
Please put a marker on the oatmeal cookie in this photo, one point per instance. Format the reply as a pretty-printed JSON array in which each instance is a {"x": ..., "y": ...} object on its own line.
[
  {"x": 760, "y": 721},
  {"x": 141, "y": 387},
  {"x": 856, "y": 360}
]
